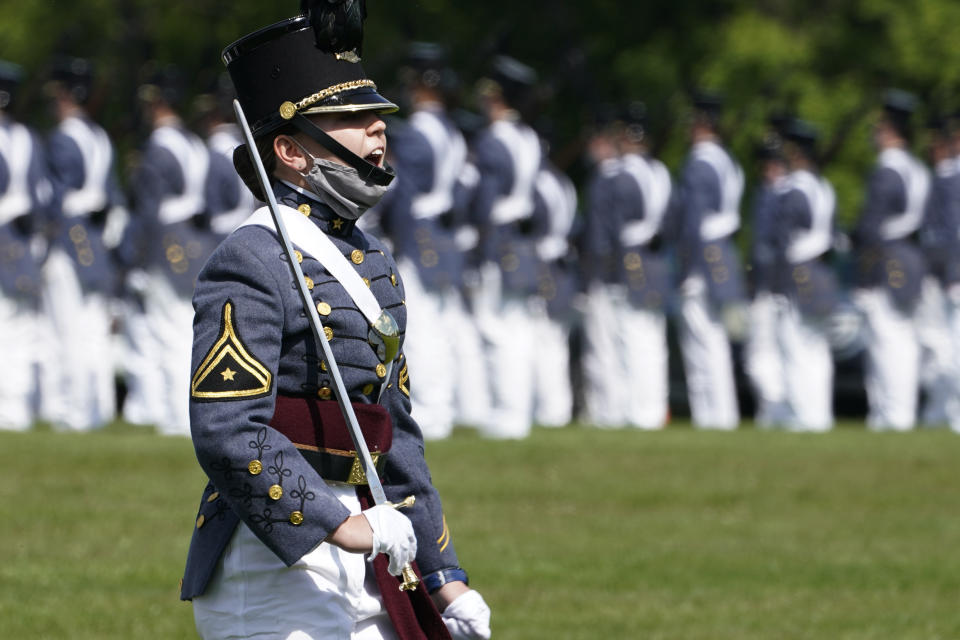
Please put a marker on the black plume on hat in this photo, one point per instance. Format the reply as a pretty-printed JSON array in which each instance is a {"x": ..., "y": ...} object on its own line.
[{"x": 337, "y": 24}]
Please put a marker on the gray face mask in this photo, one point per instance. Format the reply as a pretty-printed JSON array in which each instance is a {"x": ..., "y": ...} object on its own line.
[{"x": 341, "y": 187}]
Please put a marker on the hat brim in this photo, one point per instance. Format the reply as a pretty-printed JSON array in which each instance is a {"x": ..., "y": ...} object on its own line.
[{"x": 363, "y": 99}]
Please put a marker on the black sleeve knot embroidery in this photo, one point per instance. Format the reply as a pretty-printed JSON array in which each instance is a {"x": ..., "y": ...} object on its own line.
[
  {"x": 260, "y": 444},
  {"x": 301, "y": 493}
]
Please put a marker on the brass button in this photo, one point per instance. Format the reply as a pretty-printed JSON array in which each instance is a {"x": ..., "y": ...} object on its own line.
[
  {"x": 393, "y": 279},
  {"x": 356, "y": 256},
  {"x": 328, "y": 332},
  {"x": 255, "y": 467},
  {"x": 296, "y": 518},
  {"x": 309, "y": 282},
  {"x": 323, "y": 366},
  {"x": 304, "y": 209},
  {"x": 213, "y": 496},
  {"x": 200, "y": 521},
  {"x": 298, "y": 255},
  {"x": 287, "y": 110},
  {"x": 323, "y": 308},
  {"x": 366, "y": 281},
  {"x": 324, "y": 393},
  {"x": 367, "y": 390},
  {"x": 275, "y": 492},
  {"x": 381, "y": 370}
]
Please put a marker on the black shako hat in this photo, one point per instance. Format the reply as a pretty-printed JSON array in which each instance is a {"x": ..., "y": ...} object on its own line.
[
  {"x": 282, "y": 73},
  {"x": 279, "y": 72},
  {"x": 11, "y": 75},
  {"x": 898, "y": 108}
]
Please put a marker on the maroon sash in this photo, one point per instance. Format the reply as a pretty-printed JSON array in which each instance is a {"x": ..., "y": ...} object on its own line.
[{"x": 413, "y": 613}]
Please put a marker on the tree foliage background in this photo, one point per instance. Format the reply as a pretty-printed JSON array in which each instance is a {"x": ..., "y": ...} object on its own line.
[{"x": 826, "y": 61}]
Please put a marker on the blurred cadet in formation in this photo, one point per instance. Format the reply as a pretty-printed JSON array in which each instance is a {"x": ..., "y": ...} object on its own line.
[
  {"x": 507, "y": 153},
  {"x": 625, "y": 325},
  {"x": 418, "y": 215},
  {"x": 26, "y": 203},
  {"x": 712, "y": 289},
  {"x": 167, "y": 242},
  {"x": 81, "y": 277},
  {"x": 762, "y": 361},
  {"x": 892, "y": 268},
  {"x": 805, "y": 287}
]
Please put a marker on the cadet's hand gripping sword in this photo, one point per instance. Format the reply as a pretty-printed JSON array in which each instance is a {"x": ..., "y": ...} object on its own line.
[{"x": 410, "y": 580}]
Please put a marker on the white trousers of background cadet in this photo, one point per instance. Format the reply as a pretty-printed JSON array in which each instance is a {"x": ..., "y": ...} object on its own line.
[
  {"x": 18, "y": 340},
  {"x": 553, "y": 388},
  {"x": 158, "y": 363},
  {"x": 603, "y": 378},
  {"x": 808, "y": 370},
  {"x": 644, "y": 362},
  {"x": 763, "y": 362},
  {"x": 329, "y": 594},
  {"x": 431, "y": 362},
  {"x": 893, "y": 362},
  {"x": 471, "y": 380},
  {"x": 707, "y": 360},
  {"x": 937, "y": 370},
  {"x": 77, "y": 376},
  {"x": 509, "y": 350}
]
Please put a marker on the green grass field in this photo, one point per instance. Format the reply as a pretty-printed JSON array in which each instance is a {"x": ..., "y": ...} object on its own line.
[{"x": 574, "y": 533}]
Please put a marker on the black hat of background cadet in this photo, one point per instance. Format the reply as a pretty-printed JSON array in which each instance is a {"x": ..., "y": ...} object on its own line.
[
  {"x": 11, "y": 75},
  {"x": 514, "y": 79},
  {"x": 426, "y": 63},
  {"x": 707, "y": 106},
  {"x": 899, "y": 107},
  {"x": 161, "y": 83},
  {"x": 803, "y": 135},
  {"x": 292, "y": 69},
  {"x": 75, "y": 75},
  {"x": 634, "y": 116}
]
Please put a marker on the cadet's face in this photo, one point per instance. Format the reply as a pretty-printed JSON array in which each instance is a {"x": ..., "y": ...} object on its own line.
[{"x": 362, "y": 132}]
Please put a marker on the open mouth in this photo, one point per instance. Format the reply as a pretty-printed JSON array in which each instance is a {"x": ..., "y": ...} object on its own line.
[{"x": 375, "y": 158}]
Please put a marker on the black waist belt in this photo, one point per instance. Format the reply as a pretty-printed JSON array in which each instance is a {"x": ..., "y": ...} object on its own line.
[{"x": 341, "y": 466}]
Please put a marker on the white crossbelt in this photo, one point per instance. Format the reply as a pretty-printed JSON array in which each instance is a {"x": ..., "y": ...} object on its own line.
[{"x": 304, "y": 233}]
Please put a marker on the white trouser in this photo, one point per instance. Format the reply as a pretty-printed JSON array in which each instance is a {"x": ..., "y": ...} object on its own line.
[
  {"x": 430, "y": 358},
  {"x": 763, "y": 362},
  {"x": 644, "y": 363},
  {"x": 707, "y": 360},
  {"x": 603, "y": 379},
  {"x": 553, "y": 388},
  {"x": 807, "y": 369},
  {"x": 19, "y": 337},
  {"x": 509, "y": 350},
  {"x": 329, "y": 594},
  {"x": 472, "y": 384},
  {"x": 893, "y": 363},
  {"x": 158, "y": 363},
  {"x": 76, "y": 377},
  {"x": 952, "y": 302},
  {"x": 936, "y": 353}
]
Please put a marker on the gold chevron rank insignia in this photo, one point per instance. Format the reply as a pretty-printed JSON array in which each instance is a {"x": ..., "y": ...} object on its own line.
[{"x": 228, "y": 370}]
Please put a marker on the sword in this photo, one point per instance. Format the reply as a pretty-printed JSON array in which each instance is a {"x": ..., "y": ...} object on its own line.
[{"x": 410, "y": 580}]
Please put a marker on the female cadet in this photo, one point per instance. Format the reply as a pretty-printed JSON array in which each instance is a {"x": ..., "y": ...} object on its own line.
[{"x": 278, "y": 548}]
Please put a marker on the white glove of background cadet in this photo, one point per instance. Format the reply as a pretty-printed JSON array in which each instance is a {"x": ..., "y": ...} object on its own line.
[
  {"x": 468, "y": 617},
  {"x": 392, "y": 535}
]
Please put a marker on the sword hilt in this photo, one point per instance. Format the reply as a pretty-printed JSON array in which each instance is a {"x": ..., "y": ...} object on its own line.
[{"x": 410, "y": 579}]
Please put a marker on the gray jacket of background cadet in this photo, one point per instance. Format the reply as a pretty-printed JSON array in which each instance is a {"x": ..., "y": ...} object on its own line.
[
  {"x": 940, "y": 231},
  {"x": 804, "y": 238},
  {"x": 644, "y": 266},
  {"x": 711, "y": 188},
  {"x": 82, "y": 167},
  {"x": 888, "y": 253},
  {"x": 429, "y": 154},
  {"x": 253, "y": 350},
  {"x": 599, "y": 241},
  {"x": 26, "y": 198},
  {"x": 229, "y": 202},
  {"x": 557, "y": 278},
  {"x": 763, "y": 254},
  {"x": 508, "y": 156},
  {"x": 171, "y": 225}
]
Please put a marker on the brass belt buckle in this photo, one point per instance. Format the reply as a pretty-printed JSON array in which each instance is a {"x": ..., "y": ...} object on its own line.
[{"x": 357, "y": 476}]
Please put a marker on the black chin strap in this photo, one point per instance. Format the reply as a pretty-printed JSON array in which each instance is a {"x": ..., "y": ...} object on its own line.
[{"x": 368, "y": 172}]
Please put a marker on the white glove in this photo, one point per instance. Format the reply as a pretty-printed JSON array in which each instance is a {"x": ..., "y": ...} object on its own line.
[
  {"x": 468, "y": 617},
  {"x": 392, "y": 535}
]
